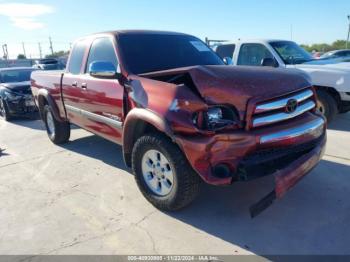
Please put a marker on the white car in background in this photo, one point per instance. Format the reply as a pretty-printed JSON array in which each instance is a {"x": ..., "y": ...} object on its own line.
[{"x": 331, "y": 79}]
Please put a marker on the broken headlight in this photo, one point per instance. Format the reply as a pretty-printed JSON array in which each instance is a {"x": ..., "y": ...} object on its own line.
[{"x": 215, "y": 118}]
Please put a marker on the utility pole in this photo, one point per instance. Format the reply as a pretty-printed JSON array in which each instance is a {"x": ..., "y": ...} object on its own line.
[
  {"x": 291, "y": 32},
  {"x": 24, "y": 50},
  {"x": 40, "y": 51},
  {"x": 51, "y": 48},
  {"x": 4, "y": 49},
  {"x": 347, "y": 40}
]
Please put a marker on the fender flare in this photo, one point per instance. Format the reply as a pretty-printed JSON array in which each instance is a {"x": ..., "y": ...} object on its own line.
[
  {"x": 135, "y": 124},
  {"x": 44, "y": 95}
]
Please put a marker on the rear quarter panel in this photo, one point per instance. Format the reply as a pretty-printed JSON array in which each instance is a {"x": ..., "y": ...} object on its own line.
[{"x": 51, "y": 82}]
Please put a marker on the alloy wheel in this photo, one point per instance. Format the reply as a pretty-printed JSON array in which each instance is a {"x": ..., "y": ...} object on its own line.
[{"x": 157, "y": 172}]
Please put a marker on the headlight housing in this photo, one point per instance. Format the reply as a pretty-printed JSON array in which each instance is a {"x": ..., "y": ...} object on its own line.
[{"x": 216, "y": 118}]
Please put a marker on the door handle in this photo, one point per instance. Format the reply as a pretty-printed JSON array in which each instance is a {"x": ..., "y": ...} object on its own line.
[
  {"x": 83, "y": 85},
  {"x": 75, "y": 84}
]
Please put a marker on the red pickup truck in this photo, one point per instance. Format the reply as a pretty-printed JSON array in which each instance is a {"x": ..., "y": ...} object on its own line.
[{"x": 182, "y": 116}]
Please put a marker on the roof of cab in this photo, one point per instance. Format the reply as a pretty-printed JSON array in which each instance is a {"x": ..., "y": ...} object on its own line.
[
  {"x": 128, "y": 32},
  {"x": 143, "y": 32}
]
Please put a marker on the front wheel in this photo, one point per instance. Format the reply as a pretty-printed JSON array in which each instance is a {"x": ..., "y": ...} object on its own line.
[
  {"x": 4, "y": 111},
  {"x": 58, "y": 132},
  {"x": 163, "y": 174},
  {"x": 327, "y": 105}
]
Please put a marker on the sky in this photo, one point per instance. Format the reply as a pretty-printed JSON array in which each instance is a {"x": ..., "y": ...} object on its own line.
[{"x": 34, "y": 21}]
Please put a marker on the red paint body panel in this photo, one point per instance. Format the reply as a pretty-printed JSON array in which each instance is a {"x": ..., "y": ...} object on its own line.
[{"x": 170, "y": 108}]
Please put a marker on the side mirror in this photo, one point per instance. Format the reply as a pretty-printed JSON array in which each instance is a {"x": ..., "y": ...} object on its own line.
[
  {"x": 228, "y": 60},
  {"x": 103, "y": 69},
  {"x": 269, "y": 62}
]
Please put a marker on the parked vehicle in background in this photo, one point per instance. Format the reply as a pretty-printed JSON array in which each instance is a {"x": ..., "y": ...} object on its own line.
[
  {"x": 48, "y": 64},
  {"x": 332, "y": 80},
  {"x": 316, "y": 55},
  {"x": 15, "y": 93},
  {"x": 182, "y": 115},
  {"x": 336, "y": 54}
]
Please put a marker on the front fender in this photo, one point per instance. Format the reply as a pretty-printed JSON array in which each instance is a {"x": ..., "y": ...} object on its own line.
[{"x": 136, "y": 122}]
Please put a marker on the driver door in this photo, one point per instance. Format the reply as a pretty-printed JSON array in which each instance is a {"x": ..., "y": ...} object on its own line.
[{"x": 101, "y": 100}]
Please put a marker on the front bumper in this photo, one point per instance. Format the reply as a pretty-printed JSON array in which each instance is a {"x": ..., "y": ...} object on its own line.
[
  {"x": 288, "y": 151},
  {"x": 252, "y": 154},
  {"x": 345, "y": 96},
  {"x": 288, "y": 177},
  {"x": 22, "y": 106}
]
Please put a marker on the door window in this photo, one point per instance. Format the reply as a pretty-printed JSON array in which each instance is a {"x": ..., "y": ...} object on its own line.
[{"x": 102, "y": 49}]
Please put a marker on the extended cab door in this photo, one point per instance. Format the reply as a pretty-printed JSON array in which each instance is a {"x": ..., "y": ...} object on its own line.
[
  {"x": 101, "y": 100},
  {"x": 71, "y": 92}
]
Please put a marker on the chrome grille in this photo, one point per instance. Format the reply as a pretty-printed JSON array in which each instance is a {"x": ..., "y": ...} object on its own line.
[{"x": 276, "y": 111}]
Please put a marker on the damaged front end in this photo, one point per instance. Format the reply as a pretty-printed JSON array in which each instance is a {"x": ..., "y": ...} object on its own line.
[
  {"x": 19, "y": 101},
  {"x": 232, "y": 123}
]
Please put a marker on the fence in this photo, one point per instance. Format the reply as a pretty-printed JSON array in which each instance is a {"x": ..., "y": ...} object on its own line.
[{"x": 16, "y": 63}]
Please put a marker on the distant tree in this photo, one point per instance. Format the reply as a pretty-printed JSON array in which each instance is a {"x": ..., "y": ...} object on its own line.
[
  {"x": 21, "y": 56},
  {"x": 339, "y": 44},
  {"x": 57, "y": 54}
]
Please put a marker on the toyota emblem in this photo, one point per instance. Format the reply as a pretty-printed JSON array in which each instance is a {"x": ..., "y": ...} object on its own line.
[{"x": 291, "y": 106}]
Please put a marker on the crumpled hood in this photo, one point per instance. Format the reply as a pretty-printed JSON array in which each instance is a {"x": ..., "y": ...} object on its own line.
[
  {"x": 17, "y": 86},
  {"x": 237, "y": 85}
]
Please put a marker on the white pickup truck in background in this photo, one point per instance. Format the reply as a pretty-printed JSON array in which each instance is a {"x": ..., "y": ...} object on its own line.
[{"x": 331, "y": 79}]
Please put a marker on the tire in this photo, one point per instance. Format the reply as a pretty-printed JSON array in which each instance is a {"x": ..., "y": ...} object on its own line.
[
  {"x": 58, "y": 132},
  {"x": 4, "y": 111},
  {"x": 185, "y": 183},
  {"x": 327, "y": 105}
]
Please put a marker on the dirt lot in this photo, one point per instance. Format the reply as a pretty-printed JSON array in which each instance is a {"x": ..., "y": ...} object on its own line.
[{"x": 80, "y": 199}]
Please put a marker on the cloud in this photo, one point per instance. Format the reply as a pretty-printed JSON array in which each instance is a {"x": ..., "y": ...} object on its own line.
[{"x": 25, "y": 15}]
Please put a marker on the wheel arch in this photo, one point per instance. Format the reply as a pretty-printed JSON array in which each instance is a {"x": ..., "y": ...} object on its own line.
[
  {"x": 139, "y": 122},
  {"x": 332, "y": 91},
  {"x": 44, "y": 98}
]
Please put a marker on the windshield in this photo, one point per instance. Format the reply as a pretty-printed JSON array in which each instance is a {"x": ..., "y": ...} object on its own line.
[
  {"x": 145, "y": 53},
  {"x": 12, "y": 76},
  {"x": 291, "y": 53}
]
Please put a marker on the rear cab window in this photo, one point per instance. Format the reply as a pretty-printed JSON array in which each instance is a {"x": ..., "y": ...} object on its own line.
[
  {"x": 77, "y": 57},
  {"x": 226, "y": 50}
]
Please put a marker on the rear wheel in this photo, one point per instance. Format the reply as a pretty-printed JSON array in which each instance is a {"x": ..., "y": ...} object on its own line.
[
  {"x": 4, "y": 111},
  {"x": 163, "y": 174},
  {"x": 327, "y": 105},
  {"x": 58, "y": 132}
]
